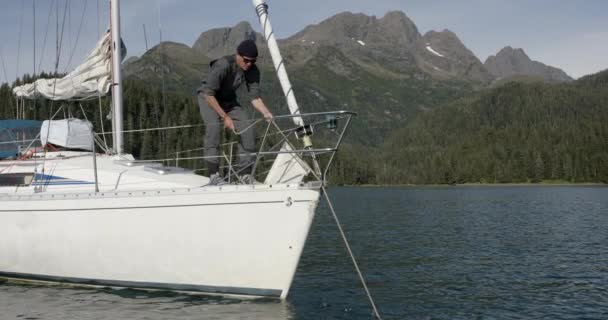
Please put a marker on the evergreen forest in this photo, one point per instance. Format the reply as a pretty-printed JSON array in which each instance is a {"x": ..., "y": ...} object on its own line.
[{"x": 515, "y": 133}]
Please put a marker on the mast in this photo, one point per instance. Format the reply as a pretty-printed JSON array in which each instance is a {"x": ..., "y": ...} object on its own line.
[
  {"x": 262, "y": 10},
  {"x": 117, "y": 121},
  {"x": 304, "y": 131}
]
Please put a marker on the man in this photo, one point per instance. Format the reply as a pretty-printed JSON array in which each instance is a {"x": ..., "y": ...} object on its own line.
[{"x": 217, "y": 101}]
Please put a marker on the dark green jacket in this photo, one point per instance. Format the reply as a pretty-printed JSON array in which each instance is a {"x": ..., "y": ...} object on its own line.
[{"x": 225, "y": 77}]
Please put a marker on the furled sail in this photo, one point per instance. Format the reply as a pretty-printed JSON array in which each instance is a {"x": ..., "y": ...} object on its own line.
[{"x": 92, "y": 78}]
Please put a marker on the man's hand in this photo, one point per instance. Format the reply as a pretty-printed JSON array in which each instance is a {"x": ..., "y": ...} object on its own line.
[
  {"x": 268, "y": 115},
  {"x": 228, "y": 123},
  {"x": 213, "y": 104},
  {"x": 259, "y": 105}
]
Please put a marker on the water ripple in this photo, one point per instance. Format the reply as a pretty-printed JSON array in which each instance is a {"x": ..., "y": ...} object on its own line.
[{"x": 427, "y": 253}]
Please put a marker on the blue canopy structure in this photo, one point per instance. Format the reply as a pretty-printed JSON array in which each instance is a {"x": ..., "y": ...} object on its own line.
[{"x": 16, "y": 133}]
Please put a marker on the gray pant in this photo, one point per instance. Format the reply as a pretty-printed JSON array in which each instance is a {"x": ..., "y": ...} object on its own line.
[{"x": 213, "y": 131}]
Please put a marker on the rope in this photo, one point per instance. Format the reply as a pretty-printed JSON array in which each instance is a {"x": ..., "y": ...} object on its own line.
[{"x": 350, "y": 252}]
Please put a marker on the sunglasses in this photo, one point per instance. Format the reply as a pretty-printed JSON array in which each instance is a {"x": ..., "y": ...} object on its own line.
[{"x": 248, "y": 60}]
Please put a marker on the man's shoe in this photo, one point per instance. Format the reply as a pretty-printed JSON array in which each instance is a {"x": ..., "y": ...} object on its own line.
[
  {"x": 249, "y": 179},
  {"x": 216, "y": 180}
]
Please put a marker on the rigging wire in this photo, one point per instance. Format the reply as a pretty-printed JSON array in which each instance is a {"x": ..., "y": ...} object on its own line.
[
  {"x": 34, "y": 36},
  {"x": 69, "y": 29},
  {"x": 60, "y": 43},
  {"x": 4, "y": 68},
  {"x": 60, "y": 36},
  {"x": 162, "y": 69},
  {"x": 34, "y": 56},
  {"x": 97, "y": 3},
  {"x": 77, "y": 35},
  {"x": 19, "y": 52},
  {"x": 57, "y": 29},
  {"x": 103, "y": 130},
  {"x": 46, "y": 32},
  {"x": 20, "y": 36},
  {"x": 159, "y": 129}
]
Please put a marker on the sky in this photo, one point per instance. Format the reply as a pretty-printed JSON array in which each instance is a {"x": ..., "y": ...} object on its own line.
[{"x": 568, "y": 34}]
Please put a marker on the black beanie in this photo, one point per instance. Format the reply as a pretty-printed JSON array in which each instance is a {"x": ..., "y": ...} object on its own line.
[{"x": 248, "y": 49}]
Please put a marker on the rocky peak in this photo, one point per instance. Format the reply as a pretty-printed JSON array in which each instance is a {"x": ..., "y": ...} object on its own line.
[
  {"x": 509, "y": 62},
  {"x": 445, "y": 39},
  {"x": 222, "y": 41},
  {"x": 443, "y": 55},
  {"x": 388, "y": 41},
  {"x": 396, "y": 25},
  {"x": 340, "y": 28},
  {"x": 357, "y": 29},
  {"x": 510, "y": 51}
]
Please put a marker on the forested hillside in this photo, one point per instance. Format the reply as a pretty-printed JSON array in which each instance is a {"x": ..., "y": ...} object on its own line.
[
  {"x": 145, "y": 108},
  {"x": 516, "y": 133},
  {"x": 429, "y": 112},
  {"x": 519, "y": 132},
  {"x": 329, "y": 80}
]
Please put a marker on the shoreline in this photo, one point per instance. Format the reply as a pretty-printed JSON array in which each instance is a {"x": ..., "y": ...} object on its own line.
[{"x": 522, "y": 184}]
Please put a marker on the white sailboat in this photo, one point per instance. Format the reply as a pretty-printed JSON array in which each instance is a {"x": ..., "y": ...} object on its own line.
[{"x": 75, "y": 216}]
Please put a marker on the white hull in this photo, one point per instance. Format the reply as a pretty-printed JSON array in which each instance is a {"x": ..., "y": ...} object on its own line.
[
  {"x": 236, "y": 239},
  {"x": 86, "y": 218}
]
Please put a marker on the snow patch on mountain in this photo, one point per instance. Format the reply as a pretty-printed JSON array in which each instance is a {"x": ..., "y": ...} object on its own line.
[{"x": 431, "y": 50}]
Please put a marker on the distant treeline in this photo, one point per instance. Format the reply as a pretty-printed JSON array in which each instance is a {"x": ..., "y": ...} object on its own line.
[
  {"x": 145, "y": 108},
  {"x": 517, "y": 133},
  {"x": 512, "y": 134}
]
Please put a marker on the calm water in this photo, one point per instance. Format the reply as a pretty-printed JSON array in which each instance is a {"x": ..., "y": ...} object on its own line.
[{"x": 428, "y": 253}]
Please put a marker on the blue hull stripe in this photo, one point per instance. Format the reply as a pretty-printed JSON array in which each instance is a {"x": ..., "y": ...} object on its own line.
[
  {"x": 148, "y": 285},
  {"x": 59, "y": 183}
]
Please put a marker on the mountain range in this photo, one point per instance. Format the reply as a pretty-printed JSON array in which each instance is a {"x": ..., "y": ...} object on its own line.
[
  {"x": 429, "y": 111},
  {"x": 382, "y": 68},
  {"x": 392, "y": 42}
]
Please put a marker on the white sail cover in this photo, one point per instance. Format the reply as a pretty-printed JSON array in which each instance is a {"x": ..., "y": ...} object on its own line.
[
  {"x": 69, "y": 133},
  {"x": 91, "y": 78},
  {"x": 287, "y": 168}
]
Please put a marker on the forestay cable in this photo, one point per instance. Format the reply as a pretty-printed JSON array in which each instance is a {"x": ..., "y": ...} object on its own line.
[{"x": 350, "y": 252}]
